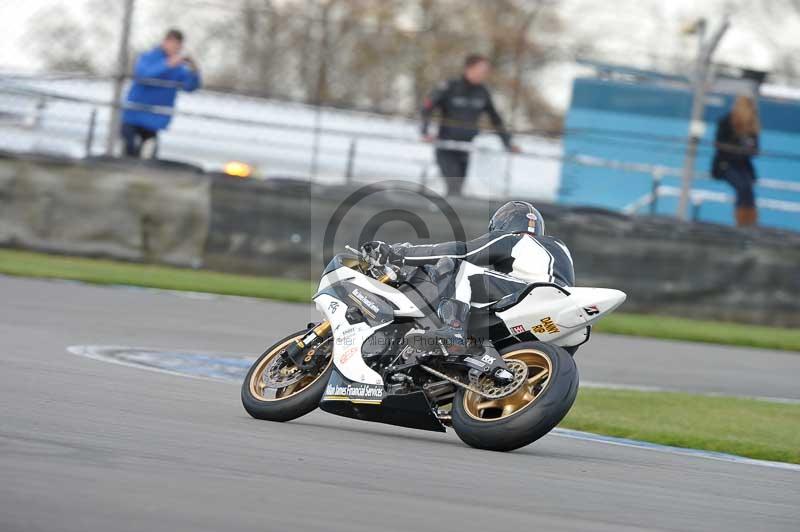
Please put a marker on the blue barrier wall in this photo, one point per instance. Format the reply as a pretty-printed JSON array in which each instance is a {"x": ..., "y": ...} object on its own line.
[{"x": 647, "y": 123}]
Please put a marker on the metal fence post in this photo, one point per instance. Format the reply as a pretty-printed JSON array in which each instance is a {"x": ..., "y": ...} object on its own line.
[
  {"x": 696, "y": 123},
  {"x": 658, "y": 175},
  {"x": 90, "y": 132},
  {"x": 507, "y": 184},
  {"x": 315, "y": 142},
  {"x": 351, "y": 160},
  {"x": 423, "y": 177},
  {"x": 38, "y": 119},
  {"x": 122, "y": 71},
  {"x": 696, "y": 204}
]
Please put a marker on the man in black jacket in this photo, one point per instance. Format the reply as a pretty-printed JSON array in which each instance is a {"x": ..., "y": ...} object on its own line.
[{"x": 461, "y": 101}]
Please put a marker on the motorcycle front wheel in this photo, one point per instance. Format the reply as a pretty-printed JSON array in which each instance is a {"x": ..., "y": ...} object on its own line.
[
  {"x": 276, "y": 390},
  {"x": 545, "y": 396}
]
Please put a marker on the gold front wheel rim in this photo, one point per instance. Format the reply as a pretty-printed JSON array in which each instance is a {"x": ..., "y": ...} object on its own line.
[
  {"x": 257, "y": 385},
  {"x": 540, "y": 367}
]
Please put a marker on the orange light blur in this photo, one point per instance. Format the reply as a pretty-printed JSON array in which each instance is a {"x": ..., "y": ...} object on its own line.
[{"x": 238, "y": 169}]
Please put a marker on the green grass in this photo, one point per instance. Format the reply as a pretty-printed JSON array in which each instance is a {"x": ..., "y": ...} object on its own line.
[
  {"x": 745, "y": 427},
  {"x": 28, "y": 264},
  {"x": 715, "y": 332},
  {"x": 24, "y": 263}
]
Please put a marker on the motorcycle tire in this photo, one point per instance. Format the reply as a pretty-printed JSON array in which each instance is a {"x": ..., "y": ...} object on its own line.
[
  {"x": 299, "y": 402},
  {"x": 515, "y": 421}
]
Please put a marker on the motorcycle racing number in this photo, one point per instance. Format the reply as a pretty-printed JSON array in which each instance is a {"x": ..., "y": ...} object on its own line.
[{"x": 546, "y": 326}]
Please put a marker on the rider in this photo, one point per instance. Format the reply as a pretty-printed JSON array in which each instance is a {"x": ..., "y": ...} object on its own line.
[{"x": 512, "y": 254}]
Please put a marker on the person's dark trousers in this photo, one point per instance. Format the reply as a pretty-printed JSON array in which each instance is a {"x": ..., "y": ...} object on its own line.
[
  {"x": 453, "y": 168},
  {"x": 437, "y": 283},
  {"x": 742, "y": 182},
  {"x": 135, "y": 137}
]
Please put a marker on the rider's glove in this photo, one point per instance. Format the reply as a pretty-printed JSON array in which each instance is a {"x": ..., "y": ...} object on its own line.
[{"x": 382, "y": 252}]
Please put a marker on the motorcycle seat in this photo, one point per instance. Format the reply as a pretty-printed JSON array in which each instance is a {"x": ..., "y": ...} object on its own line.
[{"x": 508, "y": 301}]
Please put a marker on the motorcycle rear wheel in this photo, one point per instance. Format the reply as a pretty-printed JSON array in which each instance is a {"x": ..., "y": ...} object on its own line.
[
  {"x": 283, "y": 404},
  {"x": 529, "y": 413}
]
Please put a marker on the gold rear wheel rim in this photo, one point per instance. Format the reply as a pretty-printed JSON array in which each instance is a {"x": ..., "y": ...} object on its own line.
[
  {"x": 540, "y": 367},
  {"x": 257, "y": 385}
]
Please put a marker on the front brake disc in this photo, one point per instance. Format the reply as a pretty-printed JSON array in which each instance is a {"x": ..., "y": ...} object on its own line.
[{"x": 281, "y": 372}]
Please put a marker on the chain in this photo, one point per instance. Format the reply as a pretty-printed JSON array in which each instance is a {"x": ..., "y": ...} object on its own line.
[
  {"x": 454, "y": 381},
  {"x": 495, "y": 392}
]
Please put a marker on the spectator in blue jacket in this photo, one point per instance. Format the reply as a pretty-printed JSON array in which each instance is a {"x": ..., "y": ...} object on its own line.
[{"x": 158, "y": 75}]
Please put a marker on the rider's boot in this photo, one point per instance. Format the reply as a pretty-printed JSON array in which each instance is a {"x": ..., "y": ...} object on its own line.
[{"x": 454, "y": 315}]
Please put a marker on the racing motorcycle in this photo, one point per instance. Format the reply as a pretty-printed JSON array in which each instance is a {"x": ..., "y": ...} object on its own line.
[{"x": 511, "y": 386}]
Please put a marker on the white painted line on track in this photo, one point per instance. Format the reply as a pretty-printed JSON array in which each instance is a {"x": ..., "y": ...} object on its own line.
[
  {"x": 699, "y": 453},
  {"x": 97, "y": 352},
  {"x": 184, "y": 294},
  {"x": 641, "y": 388},
  {"x": 107, "y": 354}
]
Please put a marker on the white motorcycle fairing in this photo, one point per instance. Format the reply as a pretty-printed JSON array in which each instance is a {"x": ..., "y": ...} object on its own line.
[
  {"x": 558, "y": 315},
  {"x": 348, "y": 340},
  {"x": 354, "y": 389},
  {"x": 357, "y": 307},
  {"x": 344, "y": 287},
  {"x": 403, "y": 306},
  {"x": 544, "y": 312}
]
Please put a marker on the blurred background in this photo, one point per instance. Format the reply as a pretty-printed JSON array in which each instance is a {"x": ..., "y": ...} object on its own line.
[
  {"x": 660, "y": 140},
  {"x": 207, "y": 147},
  {"x": 599, "y": 100}
]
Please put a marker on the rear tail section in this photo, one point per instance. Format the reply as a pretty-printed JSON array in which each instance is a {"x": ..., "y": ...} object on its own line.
[
  {"x": 587, "y": 305},
  {"x": 560, "y": 316}
]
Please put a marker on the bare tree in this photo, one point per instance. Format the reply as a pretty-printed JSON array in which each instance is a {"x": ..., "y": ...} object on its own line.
[
  {"x": 763, "y": 20},
  {"x": 59, "y": 25},
  {"x": 378, "y": 55}
]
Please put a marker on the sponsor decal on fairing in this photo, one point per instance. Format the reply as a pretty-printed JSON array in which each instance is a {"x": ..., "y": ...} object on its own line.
[
  {"x": 546, "y": 326},
  {"x": 353, "y": 392}
]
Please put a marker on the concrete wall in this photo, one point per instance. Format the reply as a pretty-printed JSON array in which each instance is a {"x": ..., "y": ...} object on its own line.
[
  {"x": 281, "y": 228},
  {"x": 691, "y": 270},
  {"x": 124, "y": 210}
]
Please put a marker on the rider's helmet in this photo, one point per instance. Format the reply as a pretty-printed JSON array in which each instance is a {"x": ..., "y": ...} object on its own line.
[{"x": 517, "y": 217}]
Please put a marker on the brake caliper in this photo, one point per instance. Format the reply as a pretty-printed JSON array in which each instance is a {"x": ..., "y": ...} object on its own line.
[{"x": 299, "y": 352}]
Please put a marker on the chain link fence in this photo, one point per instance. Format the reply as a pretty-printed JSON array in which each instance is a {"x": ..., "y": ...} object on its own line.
[{"x": 326, "y": 91}]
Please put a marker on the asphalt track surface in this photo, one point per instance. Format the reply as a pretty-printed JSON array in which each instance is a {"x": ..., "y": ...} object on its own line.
[{"x": 90, "y": 446}]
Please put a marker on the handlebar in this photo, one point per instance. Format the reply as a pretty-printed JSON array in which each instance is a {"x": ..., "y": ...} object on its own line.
[{"x": 373, "y": 264}]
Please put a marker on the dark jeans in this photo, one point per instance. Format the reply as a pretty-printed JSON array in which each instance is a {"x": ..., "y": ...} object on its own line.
[
  {"x": 453, "y": 167},
  {"x": 134, "y": 137},
  {"x": 742, "y": 182}
]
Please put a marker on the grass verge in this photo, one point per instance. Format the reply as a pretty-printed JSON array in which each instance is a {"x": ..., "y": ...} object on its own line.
[
  {"x": 28, "y": 264},
  {"x": 745, "y": 427},
  {"x": 715, "y": 332}
]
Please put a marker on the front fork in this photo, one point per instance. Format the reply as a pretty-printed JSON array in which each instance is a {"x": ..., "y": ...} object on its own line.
[{"x": 296, "y": 351}]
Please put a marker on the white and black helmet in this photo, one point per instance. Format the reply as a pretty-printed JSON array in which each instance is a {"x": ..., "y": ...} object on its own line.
[{"x": 517, "y": 217}]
